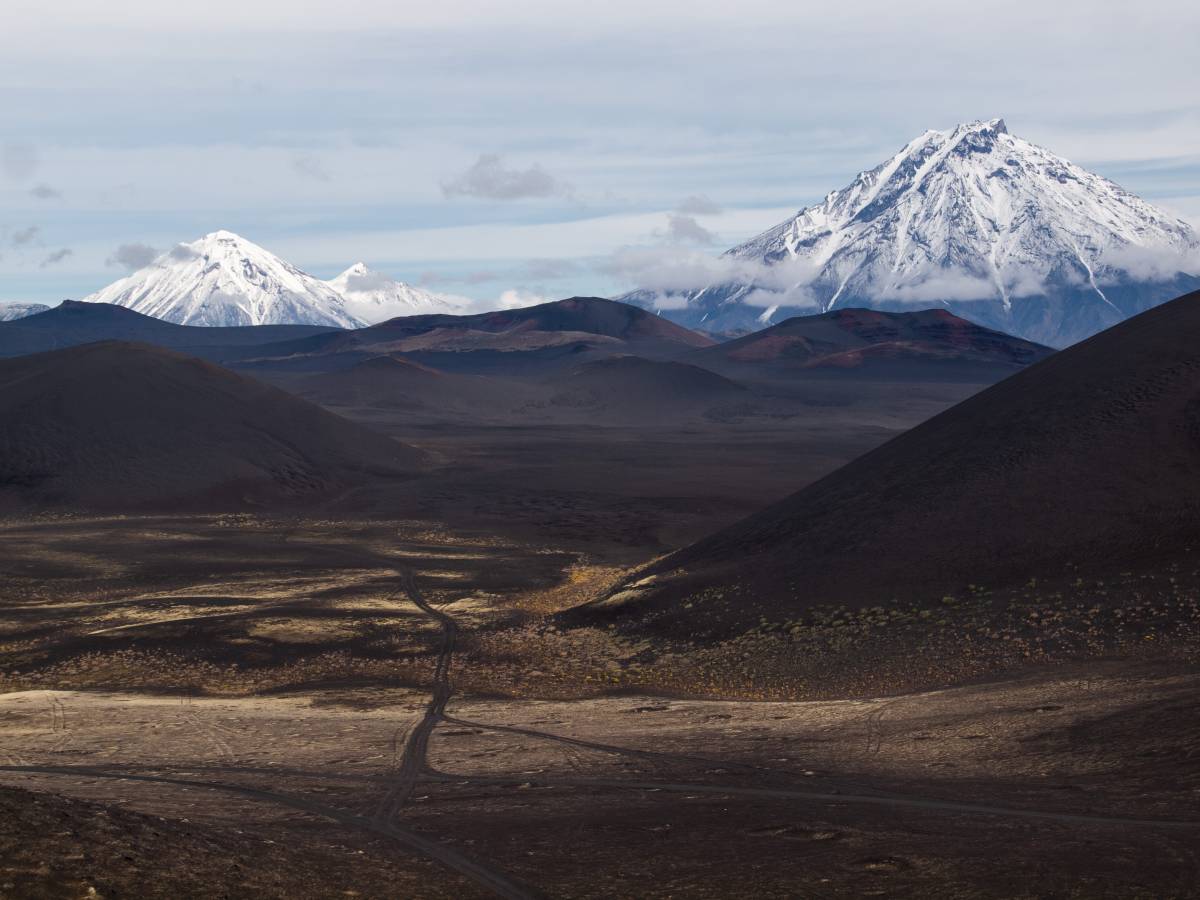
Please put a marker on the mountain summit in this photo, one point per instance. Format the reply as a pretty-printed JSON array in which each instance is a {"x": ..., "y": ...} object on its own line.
[
  {"x": 974, "y": 219},
  {"x": 224, "y": 279},
  {"x": 375, "y": 297}
]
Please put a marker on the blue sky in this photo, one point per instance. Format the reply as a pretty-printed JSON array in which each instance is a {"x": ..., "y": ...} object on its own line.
[{"x": 479, "y": 149}]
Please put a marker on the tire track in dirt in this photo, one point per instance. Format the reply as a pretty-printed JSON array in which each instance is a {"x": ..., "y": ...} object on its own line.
[
  {"x": 651, "y": 755},
  {"x": 837, "y": 798},
  {"x": 413, "y": 762},
  {"x": 189, "y": 717},
  {"x": 497, "y": 883}
]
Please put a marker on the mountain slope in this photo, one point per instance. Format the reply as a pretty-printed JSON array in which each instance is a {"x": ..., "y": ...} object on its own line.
[
  {"x": 421, "y": 393},
  {"x": 629, "y": 389},
  {"x": 1088, "y": 462},
  {"x": 222, "y": 280},
  {"x": 74, "y": 323},
  {"x": 126, "y": 426},
  {"x": 995, "y": 228},
  {"x": 373, "y": 297},
  {"x": 874, "y": 341},
  {"x": 10, "y": 312},
  {"x": 535, "y": 338}
]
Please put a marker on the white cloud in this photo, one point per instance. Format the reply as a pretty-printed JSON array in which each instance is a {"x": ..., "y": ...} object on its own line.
[
  {"x": 671, "y": 270},
  {"x": 309, "y": 166},
  {"x": 1150, "y": 263},
  {"x": 795, "y": 295},
  {"x": 697, "y": 205},
  {"x": 490, "y": 179},
  {"x": 517, "y": 299},
  {"x": 183, "y": 252},
  {"x": 666, "y": 301},
  {"x": 942, "y": 284},
  {"x": 683, "y": 229},
  {"x": 369, "y": 281},
  {"x": 1024, "y": 283},
  {"x": 132, "y": 256},
  {"x": 18, "y": 160},
  {"x": 56, "y": 257},
  {"x": 23, "y": 236}
]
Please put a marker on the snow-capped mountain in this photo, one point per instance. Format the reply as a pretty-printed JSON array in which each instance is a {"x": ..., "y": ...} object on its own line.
[
  {"x": 374, "y": 297},
  {"x": 974, "y": 219},
  {"x": 224, "y": 279},
  {"x": 10, "y": 312}
]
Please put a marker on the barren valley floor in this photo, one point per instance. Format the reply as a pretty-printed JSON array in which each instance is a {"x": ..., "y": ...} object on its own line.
[{"x": 235, "y": 706}]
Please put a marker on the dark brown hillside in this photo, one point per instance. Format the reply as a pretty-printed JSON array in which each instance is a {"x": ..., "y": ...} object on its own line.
[
  {"x": 419, "y": 392},
  {"x": 127, "y": 426},
  {"x": 536, "y": 339},
  {"x": 586, "y": 315},
  {"x": 1086, "y": 462},
  {"x": 632, "y": 389},
  {"x": 875, "y": 343},
  {"x": 72, "y": 324}
]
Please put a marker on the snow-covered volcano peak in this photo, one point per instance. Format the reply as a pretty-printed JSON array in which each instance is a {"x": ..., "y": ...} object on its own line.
[
  {"x": 224, "y": 279},
  {"x": 985, "y": 127},
  {"x": 975, "y": 219},
  {"x": 376, "y": 297},
  {"x": 10, "y": 312}
]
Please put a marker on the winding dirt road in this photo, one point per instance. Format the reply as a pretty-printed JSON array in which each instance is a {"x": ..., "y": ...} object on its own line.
[{"x": 413, "y": 762}]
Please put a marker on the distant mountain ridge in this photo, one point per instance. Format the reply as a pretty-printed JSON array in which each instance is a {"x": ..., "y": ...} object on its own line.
[
  {"x": 975, "y": 220},
  {"x": 374, "y": 297},
  {"x": 224, "y": 280},
  {"x": 10, "y": 312},
  {"x": 74, "y": 323},
  {"x": 561, "y": 332},
  {"x": 871, "y": 340}
]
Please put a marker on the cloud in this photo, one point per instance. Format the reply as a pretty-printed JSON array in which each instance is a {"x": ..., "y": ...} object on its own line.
[
  {"x": 24, "y": 236},
  {"x": 674, "y": 270},
  {"x": 489, "y": 179},
  {"x": 551, "y": 268},
  {"x": 945, "y": 284},
  {"x": 182, "y": 253},
  {"x": 697, "y": 205},
  {"x": 1148, "y": 263},
  {"x": 132, "y": 256},
  {"x": 671, "y": 275},
  {"x": 768, "y": 299},
  {"x": 518, "y": 299},
  {"x": 56, "y": 257},
  {"x": 479, "y": 276},
  {"x": 44, "y": 192},
  {"x": 683, "y": 229},
  {"x": 311, "y": 167},
  {"x": 532, "y": 270},
  {"x": 370, "y": 281},
  {"x": 18, "y": 160}
]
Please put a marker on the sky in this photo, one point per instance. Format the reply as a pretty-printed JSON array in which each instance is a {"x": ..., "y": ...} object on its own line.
[{"x": 500, "y": 150}]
